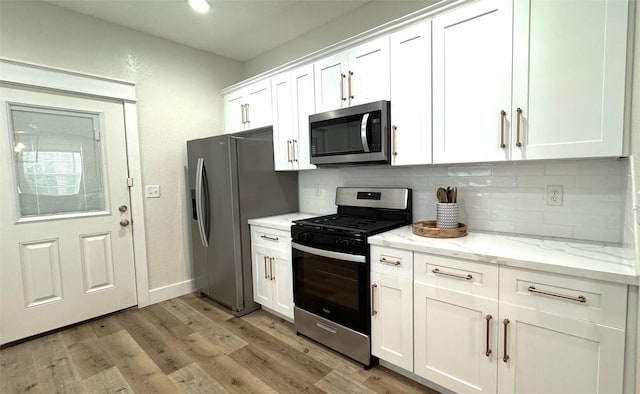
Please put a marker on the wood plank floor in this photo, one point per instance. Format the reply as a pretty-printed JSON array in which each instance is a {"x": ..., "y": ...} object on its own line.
[{"x": 187, "y": 345}]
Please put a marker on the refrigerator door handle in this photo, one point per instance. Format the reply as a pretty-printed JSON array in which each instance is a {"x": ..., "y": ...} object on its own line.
[{"x": 199, "y": 207}]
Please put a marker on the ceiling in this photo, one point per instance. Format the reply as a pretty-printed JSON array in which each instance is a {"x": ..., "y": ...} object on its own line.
[{"x": 237, "y": 29}]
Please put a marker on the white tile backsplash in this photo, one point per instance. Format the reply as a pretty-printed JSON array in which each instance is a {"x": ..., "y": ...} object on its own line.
[{"x": 500, "y": 197}]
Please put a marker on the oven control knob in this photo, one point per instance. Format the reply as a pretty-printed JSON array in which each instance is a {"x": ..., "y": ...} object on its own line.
[
  {"x": 355, "y": 245},
  {"x": 342, "y": 243},
  {"x": 305, "y": 237}
]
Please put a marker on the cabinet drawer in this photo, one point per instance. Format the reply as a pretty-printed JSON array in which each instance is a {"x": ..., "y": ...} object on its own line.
[
  {"x": 393, "y": 262},
  {"x": 461, "y": 276},
  {"x": 571, "y": 297},
  {"x": 271, "y": 238}
]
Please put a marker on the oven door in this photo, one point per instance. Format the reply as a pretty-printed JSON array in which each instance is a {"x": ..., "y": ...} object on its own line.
[{"x": 333, "y": 285}]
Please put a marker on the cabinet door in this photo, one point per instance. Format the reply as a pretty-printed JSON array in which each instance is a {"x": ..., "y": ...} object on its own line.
[
  {"x": 303, "y": 100},
  {"x": 569, "y": 77},
  {"x": 282, "y": 277},
  {"x": 259, "y": 104},
  {"x": 555, "y": 355},
  {"x": 472, "y": 82},
  {"x": 234, "y": 112},
  {"x": 368, "y": 75},
  {"x": 262, "y": 284},
  {"x": 411, "y": 95},
  {"x": 282, "y": 122},
  {"x": 330, "y": 81},
  {"x": 456, "y": 339},
  {"x": 392, "y": 319}
]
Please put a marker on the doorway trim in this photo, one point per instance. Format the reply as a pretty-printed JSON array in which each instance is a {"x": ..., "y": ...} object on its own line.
[{"x": 23, "y": 74}]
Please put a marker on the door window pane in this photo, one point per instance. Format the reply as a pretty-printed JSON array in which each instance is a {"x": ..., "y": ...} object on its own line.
[{"x": 58, "y": 164}]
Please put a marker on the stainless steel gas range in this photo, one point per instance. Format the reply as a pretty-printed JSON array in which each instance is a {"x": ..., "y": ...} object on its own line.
[{"x": 331, "y": 267}]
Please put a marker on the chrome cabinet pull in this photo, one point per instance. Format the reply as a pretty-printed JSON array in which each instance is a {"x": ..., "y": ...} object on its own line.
[
  {"x": 242, "y": 113},
  {"x": 294, "y": 151},
  {"x": 503, "y": 115},
  {"x": 247, "y": 111},
  {"x": 269, "y": 238},
  {"x": 488, "y": 350},
  {"x": 519, "y": 116},
  {"x": 385, "y": 261},
  {"x": 579, "y": 298},
  {"x": 505, "y": 356},
  {"x": 350, "y": 91},
  {"x": 373, "y": 309},
  {"x": 271, "y": 268},
  {"x": 394, "y": 131},
  {"x": 289, "y": 151},
  {"x": 438, "y": 272},
  {"x": 266, "y": 275},
  {"x": 342, "y": 77}
]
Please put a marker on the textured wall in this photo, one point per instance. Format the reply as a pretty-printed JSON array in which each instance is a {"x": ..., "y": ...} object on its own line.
[
  {"x": 372, "y": 14},
  {"x": 505, "y": 197},
  {"x": 177, "y": 88}
]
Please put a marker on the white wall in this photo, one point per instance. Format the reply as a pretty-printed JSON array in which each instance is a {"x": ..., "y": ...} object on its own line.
[
  {"x": 372, "y": 14},
  {"x": 177, "y": 88}
]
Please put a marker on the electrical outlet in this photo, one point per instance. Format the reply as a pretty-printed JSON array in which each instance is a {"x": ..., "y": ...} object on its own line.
[
  {"x": 152, "y": 191},
  {"x": 554, "y": 195}
]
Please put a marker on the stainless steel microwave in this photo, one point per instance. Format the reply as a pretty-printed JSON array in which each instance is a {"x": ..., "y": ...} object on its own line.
[{"x": 354, "y": 135}]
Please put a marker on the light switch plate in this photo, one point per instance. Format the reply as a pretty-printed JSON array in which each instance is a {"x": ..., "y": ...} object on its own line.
[{"x": 152, "y": 191}]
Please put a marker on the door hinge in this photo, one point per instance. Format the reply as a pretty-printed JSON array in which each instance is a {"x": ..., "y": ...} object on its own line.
[
  {"x": 96, "y": 134},
  {"x": 130, "y": 182}
]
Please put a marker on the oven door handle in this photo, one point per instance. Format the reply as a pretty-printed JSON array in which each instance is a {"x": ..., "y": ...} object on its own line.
[{"x": 330, "y": 254}]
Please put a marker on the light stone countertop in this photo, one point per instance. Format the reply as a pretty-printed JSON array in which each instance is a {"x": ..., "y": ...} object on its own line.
[
  {"x": 281, "y": 222},
  {"x": 584, "y": 259}
]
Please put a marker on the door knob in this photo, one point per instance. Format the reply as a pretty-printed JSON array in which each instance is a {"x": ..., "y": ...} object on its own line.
[
  {"x": 122, "y": 208},
  {"x": 124, "y": 222}
]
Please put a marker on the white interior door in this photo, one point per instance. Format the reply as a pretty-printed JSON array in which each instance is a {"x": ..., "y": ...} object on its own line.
[{"x": 66, "y": 241}]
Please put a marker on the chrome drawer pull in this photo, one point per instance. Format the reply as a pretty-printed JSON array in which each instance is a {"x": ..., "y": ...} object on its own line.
[
  {"x": 580, "y": 298},
  {"x": 438, "y": 272},
  {"x": 325, "y": 327},
  {"x": 384, "y": 260},
  {"x": 269, "y": 238}
]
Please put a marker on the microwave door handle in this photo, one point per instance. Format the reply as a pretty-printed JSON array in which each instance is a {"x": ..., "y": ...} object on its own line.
[{"x": 363, "y": 133}]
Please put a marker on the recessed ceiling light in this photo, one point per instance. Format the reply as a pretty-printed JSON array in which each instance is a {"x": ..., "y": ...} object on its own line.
[{"x": 200, "y": 6}]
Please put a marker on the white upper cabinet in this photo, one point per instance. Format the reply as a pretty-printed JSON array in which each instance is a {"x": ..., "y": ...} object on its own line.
[
  {"x": 303, "y": 101},
  {"x": 282, "y": 121},
  {"x": 248, "y": 108},
  {"x": 568, "y": 78},
  {"x": 357, "y": 76},
  {"x": 411, "y": 95},
  {"x": 293, "y": 102},
  {"x": 472, "y": 82},
  {"x": 566, "y": 99}
]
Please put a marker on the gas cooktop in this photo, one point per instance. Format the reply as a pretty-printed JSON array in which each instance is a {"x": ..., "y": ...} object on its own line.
[{"x": 351, "y": 223}]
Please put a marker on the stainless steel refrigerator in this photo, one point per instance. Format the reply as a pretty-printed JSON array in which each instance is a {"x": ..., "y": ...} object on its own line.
[{"x": 231, "y": 180}]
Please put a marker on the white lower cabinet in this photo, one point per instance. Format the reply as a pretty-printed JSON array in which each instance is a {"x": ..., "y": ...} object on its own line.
[
  {"x": 560, "y": 334},
  {"x": 455, "y": 315},
  {"x": 391, "y": 305},
  {"x": 272, "y": 270},
  {"x": 484, "y": 328}
]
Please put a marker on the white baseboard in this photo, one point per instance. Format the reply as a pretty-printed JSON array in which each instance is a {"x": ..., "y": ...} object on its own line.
[{"x": 171, "y": 291}]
